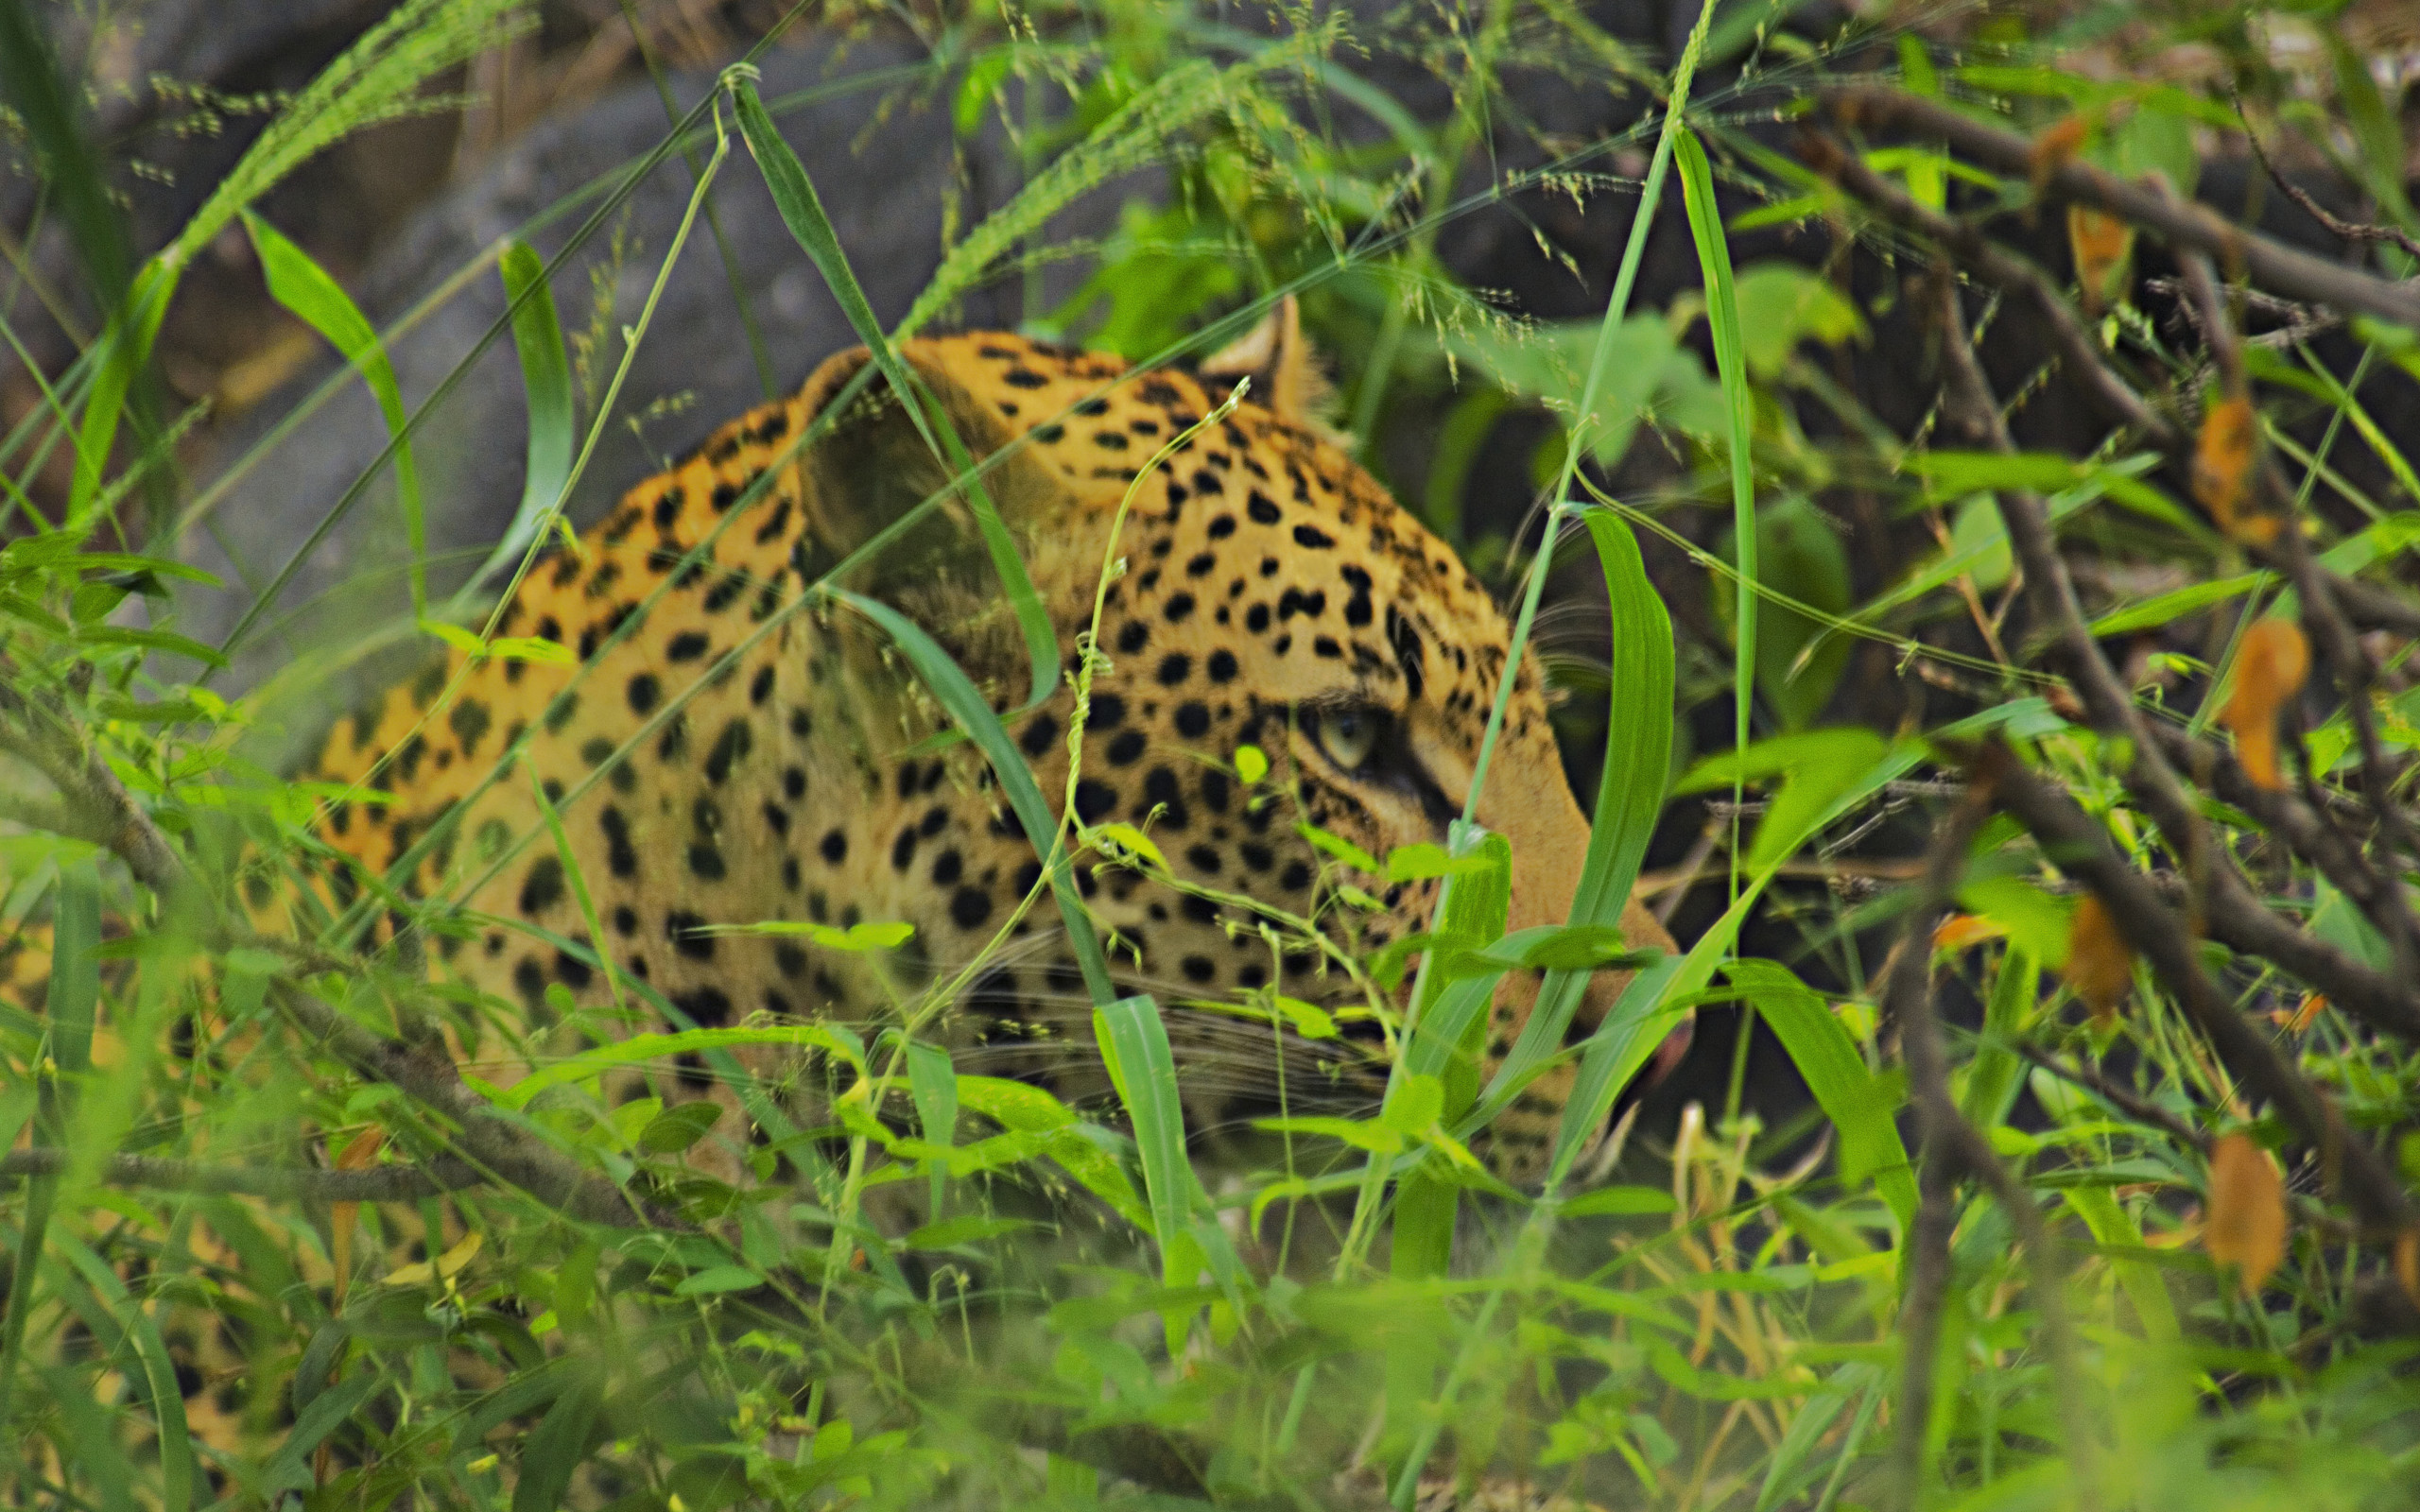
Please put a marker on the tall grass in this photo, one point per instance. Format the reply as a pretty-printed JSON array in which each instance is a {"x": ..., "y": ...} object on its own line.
[{"x": 1692, "y": 1312}]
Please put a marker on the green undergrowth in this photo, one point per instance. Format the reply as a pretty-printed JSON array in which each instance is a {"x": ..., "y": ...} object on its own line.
[{"x": 962, "y": 1292}]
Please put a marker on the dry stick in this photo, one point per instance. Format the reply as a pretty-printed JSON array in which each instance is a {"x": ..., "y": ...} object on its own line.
[
  {"x": 2221, "y": 899},
  {"x": 2081, "y": 846},
  {"x": 2351, "y": 230},
  {"x": 2367, "y": 607},
  {"x": 2141, "y": 1110},
  {"x": 1954, "y": 1148},
  {"x": 2320, "y": 616},
  {"x": 98, "y": 804},
  {"x": 384, "y": 1183},
  {"x": 2077, "y": 354},
  {"x": 2183, "y": 225}
]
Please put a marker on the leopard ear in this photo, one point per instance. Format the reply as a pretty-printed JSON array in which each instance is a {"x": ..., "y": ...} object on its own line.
[
  {"x": 874, "y": 466},
  {"x": 1287, "y": 377}
]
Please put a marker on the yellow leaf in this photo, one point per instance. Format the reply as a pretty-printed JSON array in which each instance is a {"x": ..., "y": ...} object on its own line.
[
  {"x": 2222, "y": 465},
  {"x": 2100, "y": 244},
  {"x": 2246, "y": 1226},
  {"x": 2101, "y": 965},
  {"x": 445, "y": 1266},
  {"x": 2270, "y": 669}
]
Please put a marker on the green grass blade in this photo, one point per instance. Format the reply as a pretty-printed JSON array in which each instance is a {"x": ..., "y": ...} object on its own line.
[
  {"x": 1723, "y": 314},
  {"x": 128, "y": 342},
  {"x": 640, "y": 1047},
  {"x": 1134, "y": 1044},
  {"x": 932, "y": 1086},
  {"x": 545, "y": 385},
  {"x": 73, "y": 175},
  {"x": 74, "y": 993},
  {"x": 802, "y": 210},
  {"x": 965, "y": 705},
  {"x": 304, "y": 288},
  {"x": 579, "y": 880},
  {"x": 155, "y": 1378},
  {"x": 1629, "y": 788},
  {"x": 1850, "y": 1095}
]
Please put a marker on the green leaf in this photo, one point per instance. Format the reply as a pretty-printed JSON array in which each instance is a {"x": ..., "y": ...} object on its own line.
[
  {"x": 1134, "y": 1044},
  {"x": 1781, "y": 304},
  {"x": 321, "y": 303},
  {"x": 887, "y": 934},
  {"x": 678, "y": 1127},
  {"x": 556, "y": 1447},
  {"x": 1849, "y": 1094},
  {"x": 546, "y": 388},
  {"x": 932, "y": 1086},
  {"x": 1623, "y": 1202},
  {"x": 2037, "y": 922},
  {"x": 1817, "y": 769},
  {"x": 1339, "y": 847},
  {"x": 1027, "y": 1109},
  {"x": 1252, "y": 764},
  {"x": 1417, "y": 863},
  {"x": 802, "y": 210},
  {"x": 1629, "y": 786},
  {"x": 640, "y": 1047},
  {"x": 716, "y": 1280}
]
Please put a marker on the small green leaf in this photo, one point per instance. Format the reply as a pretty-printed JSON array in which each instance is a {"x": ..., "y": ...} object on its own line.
[
  {"x": 1252, "y": 764},
  {"x": 678, "y": 1127},
  {"x": 1131, "y": 840},
  {"x": 715, "y": 1279},
  {"x": 1339, "y": 847},
  {"x": 1623, "y": 1202}
]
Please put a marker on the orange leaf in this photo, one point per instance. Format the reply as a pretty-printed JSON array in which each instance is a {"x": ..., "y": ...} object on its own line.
[
  {"x": 2311, "y": 1004},
  {"x": 362, "y": 1149},
  {"x": 2101, "y": 965},
  {"x": 2222, "y": 466},
  {"x": 2270, "y": 668},
  {"x": 1959, "y": 931},
  {"x": 2100, "y": 244},
  {"x": 2407, "y": 1264},
  {"x": 2246, "y": 1228},
  {"x": 2058, "y": 141}
]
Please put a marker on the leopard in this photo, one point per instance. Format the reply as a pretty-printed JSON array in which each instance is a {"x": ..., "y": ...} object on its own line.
[
  {"x": 1271, "y": 665},
  {"x": 755, "y": 753}
]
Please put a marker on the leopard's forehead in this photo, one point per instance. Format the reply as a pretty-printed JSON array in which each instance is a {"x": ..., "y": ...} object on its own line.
[{"x": 1257, "y": 554}]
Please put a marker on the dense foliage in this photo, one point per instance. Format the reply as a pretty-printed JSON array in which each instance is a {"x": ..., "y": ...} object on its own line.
[{"x": 1975, "y": 576}]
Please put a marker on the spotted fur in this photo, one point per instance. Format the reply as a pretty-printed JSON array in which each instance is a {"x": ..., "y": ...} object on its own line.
[{"x": 724, "y": 752}]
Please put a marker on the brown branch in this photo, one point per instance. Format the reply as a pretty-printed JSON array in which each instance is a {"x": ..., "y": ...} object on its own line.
[
  {"x": 2141, "y": 1111},
  {"x": 1954, "y": 1148},
  {"x": 2079, "y": 353},
  {"x": 2272, "y": 264},
  {"x": 382, "y": 1183},
  {"x": 2220, "y": 896},
  {"x": 2351, "y": 230},
  {"x": 2079, "y": 846}
]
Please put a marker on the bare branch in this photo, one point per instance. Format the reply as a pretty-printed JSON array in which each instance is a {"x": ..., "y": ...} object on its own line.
[
  {"x": 2270, "y": 264},
  {"x": 1953, "y": 1148},
  {"x": 379, "y": 1183},
  {"x": 2079, "y": 846}
]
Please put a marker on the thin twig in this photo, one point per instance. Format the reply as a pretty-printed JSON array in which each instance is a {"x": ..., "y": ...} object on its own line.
[
  {"x": 2219, "y": 897},
  {"x": 2272, "y": 264},
  {"x": 1954, "y": 1148},
  {"x": 2081, "y": 846},
  {"x": 2351, "y": 230},
  {"x": 2078, "y": 354},
  {"x": 381, "y": 1183}
]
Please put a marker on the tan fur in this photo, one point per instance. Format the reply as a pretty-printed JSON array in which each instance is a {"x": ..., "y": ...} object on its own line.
[{"x": 1265, "y": 578}]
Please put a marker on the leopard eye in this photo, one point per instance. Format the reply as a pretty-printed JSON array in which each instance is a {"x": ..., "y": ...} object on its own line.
[{"x": 1348, "y": 737}]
